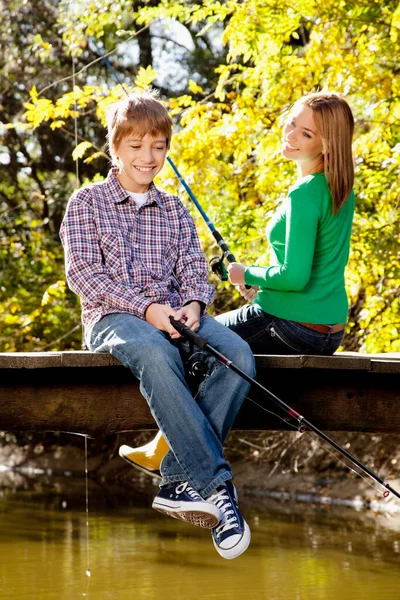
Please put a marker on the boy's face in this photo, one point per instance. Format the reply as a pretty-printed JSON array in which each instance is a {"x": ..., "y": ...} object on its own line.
[{"x": 140, "y": 160}]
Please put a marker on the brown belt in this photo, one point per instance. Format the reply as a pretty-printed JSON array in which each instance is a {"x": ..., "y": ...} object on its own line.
[{"x": 324, "y": 328}]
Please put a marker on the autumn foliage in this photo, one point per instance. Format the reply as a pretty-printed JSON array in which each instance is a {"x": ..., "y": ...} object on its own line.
[{"x": 226, "y": 144}]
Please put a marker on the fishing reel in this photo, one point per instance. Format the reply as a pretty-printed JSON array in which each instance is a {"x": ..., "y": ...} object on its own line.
[
  {"x": 218, "y": 267},
  {"x": 196, "y": 367}
]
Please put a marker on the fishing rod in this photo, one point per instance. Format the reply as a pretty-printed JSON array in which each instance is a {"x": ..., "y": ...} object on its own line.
[
  {"x": 216, "y": 263},
  {"x": 303, "y": 423}
]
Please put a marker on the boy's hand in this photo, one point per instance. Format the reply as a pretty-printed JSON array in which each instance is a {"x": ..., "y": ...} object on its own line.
[
  {"x": 236, "y": 273},
  {"x": 157, "y": 315},
  {"x": 190, "y": 315}
]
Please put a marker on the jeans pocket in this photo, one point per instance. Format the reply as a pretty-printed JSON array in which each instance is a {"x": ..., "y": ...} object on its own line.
[
  {"x": 286, "y": 341},
  {"x": 332, "y": 343}
]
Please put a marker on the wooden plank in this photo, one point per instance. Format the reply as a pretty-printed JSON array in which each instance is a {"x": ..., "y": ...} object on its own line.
[
  {"x": 93, "y": 394},
  {"x": 47, "y": 360},
  {"x": 339, "y": 361},
  {"x": 345, "y": 360}
]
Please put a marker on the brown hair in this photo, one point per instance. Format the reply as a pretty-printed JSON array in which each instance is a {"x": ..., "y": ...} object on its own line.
[
  {"x": 335, "y": 123},
  {"x": 137, "y": 114}
]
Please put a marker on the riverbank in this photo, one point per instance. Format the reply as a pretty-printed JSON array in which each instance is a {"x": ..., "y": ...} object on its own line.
[{"x": 286, "y": 467}]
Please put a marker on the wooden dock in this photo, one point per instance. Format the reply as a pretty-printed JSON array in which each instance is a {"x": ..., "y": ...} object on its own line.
[{"x": 92, "y": 394}]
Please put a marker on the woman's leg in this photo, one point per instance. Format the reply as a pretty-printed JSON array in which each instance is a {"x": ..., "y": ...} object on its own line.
[
  {"x": 267, "y": 334},
  {"x": 253, "y": 325},
  {"x": 147, "y": 458}
]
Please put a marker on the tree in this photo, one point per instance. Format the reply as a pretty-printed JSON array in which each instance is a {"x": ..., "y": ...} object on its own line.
[{"x": 228, "y": 120}]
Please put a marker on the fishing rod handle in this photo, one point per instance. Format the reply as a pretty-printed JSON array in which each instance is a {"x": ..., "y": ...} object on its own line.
[
  {"x": 223, "y": 245},
  {"x": 187, "y": 333}
]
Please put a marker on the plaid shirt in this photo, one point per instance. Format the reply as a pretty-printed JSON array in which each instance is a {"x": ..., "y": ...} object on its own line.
[{"x": 120, "y": 258}]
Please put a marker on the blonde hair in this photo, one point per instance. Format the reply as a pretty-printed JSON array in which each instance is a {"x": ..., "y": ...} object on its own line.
[
  {"x": 335, "y": 124},
  {"x": 137, "y": 114}
]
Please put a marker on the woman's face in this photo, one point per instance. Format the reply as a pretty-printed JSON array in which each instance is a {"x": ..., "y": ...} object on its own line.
[{"x": 301, "y": 140}]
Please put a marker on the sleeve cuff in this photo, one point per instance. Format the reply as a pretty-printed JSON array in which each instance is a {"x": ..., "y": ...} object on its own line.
[
  {"x": 142, "y": 308},
  {"x": 202, "y": 304},
  {"x": 255, "y": 276},
  {"x": 204, "y": 296}
]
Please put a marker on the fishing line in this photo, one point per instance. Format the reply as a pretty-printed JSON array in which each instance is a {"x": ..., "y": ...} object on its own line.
[
  {"x": 75, "y": 120},
  {"x": 88, "y": 571}
]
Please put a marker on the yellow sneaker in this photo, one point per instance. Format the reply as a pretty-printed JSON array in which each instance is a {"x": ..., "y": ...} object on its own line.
[{"x": 147, "y": 458}]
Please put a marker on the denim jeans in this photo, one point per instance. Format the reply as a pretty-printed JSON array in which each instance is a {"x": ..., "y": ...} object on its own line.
[
  {"x": 267, "y": 334},
  {"x": 195, "y": 429}
]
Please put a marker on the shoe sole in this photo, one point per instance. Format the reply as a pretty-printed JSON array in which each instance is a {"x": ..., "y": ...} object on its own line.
[
  {"x": 200, "y": 518},
  {"x": 239, "y": 548},
  {"x": 155, "y": 474}
]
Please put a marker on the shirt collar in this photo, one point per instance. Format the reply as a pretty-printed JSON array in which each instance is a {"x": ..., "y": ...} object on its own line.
[{"x": 119, "y": 194}]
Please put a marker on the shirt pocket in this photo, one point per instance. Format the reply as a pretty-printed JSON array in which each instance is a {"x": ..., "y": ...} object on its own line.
[
  {"x": 116, "y": 253},
  {"x": 170, "y": 256}
]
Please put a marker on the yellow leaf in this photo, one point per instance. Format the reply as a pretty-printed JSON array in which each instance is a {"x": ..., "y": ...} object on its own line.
[
  {"x": 145, "y": 77},
  {"x": 396, "y": 17},
  {"x": 194, "y": 88},
  {"x": 80, "y": 150},
  {"x": 396, "y": 111},
  {"x": 57, "y": 124},
  {"x": 93, "y": 157},
  {"x": 34, "y": 94}
]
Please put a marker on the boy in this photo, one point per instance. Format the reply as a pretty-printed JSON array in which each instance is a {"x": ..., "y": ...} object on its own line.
[{"x": 133, "y": 256}]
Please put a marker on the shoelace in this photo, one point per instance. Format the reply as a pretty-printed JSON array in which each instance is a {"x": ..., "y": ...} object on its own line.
[
  {"x": 185, "y": 487},
  {"x": 219, "y": 499}
]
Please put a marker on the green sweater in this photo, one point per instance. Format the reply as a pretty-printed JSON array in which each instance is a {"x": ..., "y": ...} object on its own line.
[{"x": 309, "y": 253}]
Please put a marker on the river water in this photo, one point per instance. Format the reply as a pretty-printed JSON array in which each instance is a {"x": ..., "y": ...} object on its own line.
[{"x": 134, "y": 553}]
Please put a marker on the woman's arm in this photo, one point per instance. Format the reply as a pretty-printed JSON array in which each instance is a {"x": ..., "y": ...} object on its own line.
[{"x": 302, "y": 217}]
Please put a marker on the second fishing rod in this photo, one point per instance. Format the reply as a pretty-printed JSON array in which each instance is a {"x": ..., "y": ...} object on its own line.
[{"x": 303, "y": 423}]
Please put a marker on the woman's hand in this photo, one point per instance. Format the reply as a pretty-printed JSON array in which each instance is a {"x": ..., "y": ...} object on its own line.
[
  {"x": 236, "y": 273},
  {"x": 248, "y": 294}
]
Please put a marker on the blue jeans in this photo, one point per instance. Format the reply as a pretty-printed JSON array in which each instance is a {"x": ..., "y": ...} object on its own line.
[
  {"x": 267, "y": 334},
  {"x": 195, "y": 429}
]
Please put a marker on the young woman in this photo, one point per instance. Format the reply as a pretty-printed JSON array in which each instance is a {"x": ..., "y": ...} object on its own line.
[
  {"x": 299, "y": 300},
  {"x": 301, "y": 304}
]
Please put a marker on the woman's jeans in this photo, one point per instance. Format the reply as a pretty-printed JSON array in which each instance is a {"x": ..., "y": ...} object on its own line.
[
  {"x": 267, "y": 334},
  {"x": 195, "y": 429}
]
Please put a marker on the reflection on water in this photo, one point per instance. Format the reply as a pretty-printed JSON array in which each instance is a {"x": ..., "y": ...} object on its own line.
[{"x": 136, "y": 553}]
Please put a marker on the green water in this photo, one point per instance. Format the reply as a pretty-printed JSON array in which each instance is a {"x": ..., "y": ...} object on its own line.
[{"x": 296, "y": 553}]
